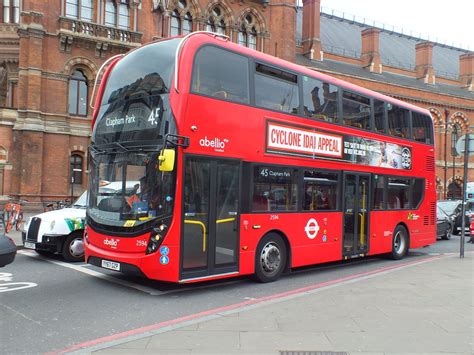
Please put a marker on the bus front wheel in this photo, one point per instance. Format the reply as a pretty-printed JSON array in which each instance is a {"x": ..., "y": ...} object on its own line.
[
  {"x": 270, "y": 258},
  {"x": 399, "y": 243}
]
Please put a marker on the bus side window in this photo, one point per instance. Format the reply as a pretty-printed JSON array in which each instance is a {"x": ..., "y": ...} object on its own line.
[
  {"x": 276, "y": 89},
  {"x": 319, "y": 99},
  {"x": 378, "y": 192},
  {"x": 320, "y": 191},
  {"x": 398, "y": 121},
  {"x": 356, "y": 110},
  {"x": 221, "y": 74},
  {"x": 421, "y": 128}
]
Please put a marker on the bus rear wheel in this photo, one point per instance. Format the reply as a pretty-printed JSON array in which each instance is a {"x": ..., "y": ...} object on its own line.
[
  {"x": 270, "y": 258},
  {"x": 399, "y": 243}
]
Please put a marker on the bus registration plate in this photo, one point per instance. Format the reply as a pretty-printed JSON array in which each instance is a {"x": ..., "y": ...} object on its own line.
[{"x": 111, "y": 265}]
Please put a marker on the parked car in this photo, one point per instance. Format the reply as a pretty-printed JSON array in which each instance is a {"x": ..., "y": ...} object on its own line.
[
  {"x": 454, "y": 208},
  {"x": 444, "y": 224},
  {"x": 7, "y": 250}
]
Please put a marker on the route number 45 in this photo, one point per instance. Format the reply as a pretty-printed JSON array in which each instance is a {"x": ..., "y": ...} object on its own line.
[{"x": 154, "y": 116}]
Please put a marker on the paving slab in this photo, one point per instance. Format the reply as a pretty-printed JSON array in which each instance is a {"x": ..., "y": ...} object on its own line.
[{"x": 426, "y": 308}]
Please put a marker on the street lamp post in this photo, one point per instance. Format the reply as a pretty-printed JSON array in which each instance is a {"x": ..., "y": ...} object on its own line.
[
  {"x": 446, "y": 114},
  {"x": 454, "y": 139}
]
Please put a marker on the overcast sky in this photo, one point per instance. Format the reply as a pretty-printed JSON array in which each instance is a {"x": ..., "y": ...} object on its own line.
[{"x": 441, "y": 20}]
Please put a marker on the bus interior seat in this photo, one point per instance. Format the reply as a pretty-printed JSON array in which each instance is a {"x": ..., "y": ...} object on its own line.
[{"x": 220, "y": 94}]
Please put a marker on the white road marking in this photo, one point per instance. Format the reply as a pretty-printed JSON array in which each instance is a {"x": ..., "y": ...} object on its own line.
[
  {"x": 145, "y": 289},
  {"x": 20, "y": 314},
  {"x": 13, "y": 286}
]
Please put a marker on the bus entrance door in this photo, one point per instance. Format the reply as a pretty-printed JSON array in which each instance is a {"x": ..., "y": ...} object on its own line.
[
  {"x": 356, "y": 214},
  {"x": 210, "y": 236}
]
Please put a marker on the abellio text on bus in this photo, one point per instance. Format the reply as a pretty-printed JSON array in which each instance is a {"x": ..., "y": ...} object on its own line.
[{"x": 232, "y": 162}]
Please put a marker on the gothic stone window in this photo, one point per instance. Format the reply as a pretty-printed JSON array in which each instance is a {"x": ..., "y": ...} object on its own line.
[
  {"x": 79, "y": 9},
  {"x": 11, "y": 11},
  {"x": 181, "y": 20},
  {"x": 78, "y": 94},
  {"x": 248, "y": 33},
  {"x": 215, "y": 22}
]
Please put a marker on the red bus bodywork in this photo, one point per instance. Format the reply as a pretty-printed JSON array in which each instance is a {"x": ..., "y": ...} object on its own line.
[{"x": 209, "y": 123}]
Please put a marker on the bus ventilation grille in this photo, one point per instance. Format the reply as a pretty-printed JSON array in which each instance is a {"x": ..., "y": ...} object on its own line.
[
  {"x": 426, "y": 221},
  {"x": 430, "y": 164},
  {"x": 433, "y": 213}
]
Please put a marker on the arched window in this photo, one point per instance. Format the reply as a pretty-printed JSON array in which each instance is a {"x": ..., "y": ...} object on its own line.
[
  {"x": 11, "y": 11},
  {"x": 216, "y": 22},
  {"x": 76, "y": 169},
  {"x": 175, "y": 24},
  {"x": 78, "y": 94},
  {"x": 117, "y": 14},
  {"x": 211, "y": 27},
  {"x": 181, "y": 24},
  {"x": 187, "y": 24},
  {"x": 80, "y": 9},
  {"x": 248, "y": 33}
]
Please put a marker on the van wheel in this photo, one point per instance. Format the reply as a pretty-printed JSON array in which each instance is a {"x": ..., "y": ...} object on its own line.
[
  {"x": 399, "y": 243},
  {"x": 447, "y": 234},
  {"x": 73, "y": 248},
  {"x": 270, "y": 258}
]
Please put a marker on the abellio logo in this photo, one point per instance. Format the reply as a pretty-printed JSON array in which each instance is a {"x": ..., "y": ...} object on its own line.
[
  {"x": 215, "y": 143},
  {"x": 111, "y": 242}
]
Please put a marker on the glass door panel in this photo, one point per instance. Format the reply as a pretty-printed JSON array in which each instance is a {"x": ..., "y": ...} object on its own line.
[
  {"x": 227, "y": 204},
  {"x": 210, "y": 238},
  {"x": 196, "y": 214}
]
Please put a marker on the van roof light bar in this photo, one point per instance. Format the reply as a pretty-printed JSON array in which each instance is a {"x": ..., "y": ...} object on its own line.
[{"x": 180, "y": 46}]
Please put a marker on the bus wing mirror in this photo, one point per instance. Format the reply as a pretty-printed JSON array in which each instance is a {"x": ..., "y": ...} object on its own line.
[{"x": 166, "y": 159}]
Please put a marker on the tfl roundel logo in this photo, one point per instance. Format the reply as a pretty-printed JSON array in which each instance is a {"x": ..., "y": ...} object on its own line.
[{"x": 312, "y": 228}]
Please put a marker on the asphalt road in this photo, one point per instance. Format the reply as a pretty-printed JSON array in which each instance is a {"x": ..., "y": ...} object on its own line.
[{"x": 48, "y": 305}]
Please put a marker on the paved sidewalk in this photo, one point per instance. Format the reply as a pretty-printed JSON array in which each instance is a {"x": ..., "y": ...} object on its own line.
[{"x": 422, "y": 307}]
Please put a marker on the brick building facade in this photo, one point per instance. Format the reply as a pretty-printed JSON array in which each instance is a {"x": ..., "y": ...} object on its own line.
[{"x": 50, "y": 53}]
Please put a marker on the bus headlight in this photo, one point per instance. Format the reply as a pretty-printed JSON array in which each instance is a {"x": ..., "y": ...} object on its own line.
[{"x": 156, "y": 238}]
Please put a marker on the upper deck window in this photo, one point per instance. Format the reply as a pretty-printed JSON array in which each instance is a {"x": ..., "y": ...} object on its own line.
[
  {"x": 356, "y": 110},
  {"x": 221, "y": 74},
  {"x": 380, "y": 116},
  {"x": 319, "y": 99},
  {"x": 143, "y": 72},
  {"x": 422, "y": 128},
  {"x": 276, "y": 89},
  {"x": 398, "y": 121}
]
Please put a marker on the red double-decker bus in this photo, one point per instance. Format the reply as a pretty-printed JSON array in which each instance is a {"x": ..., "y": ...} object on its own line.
[{"x": 233, "y": 162}]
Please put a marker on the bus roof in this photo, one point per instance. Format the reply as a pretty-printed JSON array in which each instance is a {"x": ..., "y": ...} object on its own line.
[{"x": 201, "y": 38}]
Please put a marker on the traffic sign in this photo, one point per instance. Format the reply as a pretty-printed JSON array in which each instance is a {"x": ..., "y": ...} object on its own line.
[{"x": 460, "y": 144}]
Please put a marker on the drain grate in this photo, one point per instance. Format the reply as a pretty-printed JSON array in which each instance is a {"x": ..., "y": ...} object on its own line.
[{"x": 287, "y": 352}]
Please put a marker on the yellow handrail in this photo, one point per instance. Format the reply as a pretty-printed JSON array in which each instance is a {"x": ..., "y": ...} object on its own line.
[
  {"x": 225, "y": 220},
  {"x": 203, "y": 226}
]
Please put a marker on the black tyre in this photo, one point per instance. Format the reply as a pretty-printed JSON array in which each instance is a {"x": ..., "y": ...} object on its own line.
[
  {"x": 73, "y": 248},
  {"x": 447, "y": 234},
  {"x": 270, "y": 258},
  {"x": 399, "y": 243}
]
